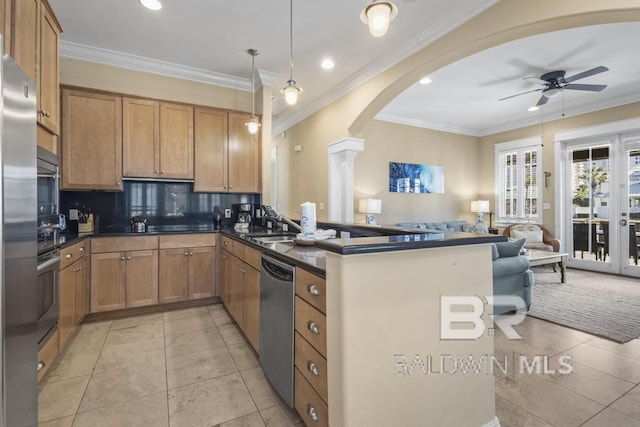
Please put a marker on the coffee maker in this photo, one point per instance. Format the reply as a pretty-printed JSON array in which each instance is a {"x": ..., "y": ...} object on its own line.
[{"x": 243, "y": 213}]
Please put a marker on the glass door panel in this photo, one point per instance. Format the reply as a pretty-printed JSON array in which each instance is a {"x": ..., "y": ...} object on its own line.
[{"x": 630, "y": 207}]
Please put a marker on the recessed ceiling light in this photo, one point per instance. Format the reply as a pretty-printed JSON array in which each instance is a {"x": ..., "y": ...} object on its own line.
[
  {"x": 425, "y": 81},
  {"x": 327, "y": 64},
  {"x": 151, "y": 4},
  {"x": 534, "y": 108}
]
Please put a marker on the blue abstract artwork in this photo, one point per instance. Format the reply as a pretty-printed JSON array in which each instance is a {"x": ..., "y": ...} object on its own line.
[{"x": 414, "y": 178}]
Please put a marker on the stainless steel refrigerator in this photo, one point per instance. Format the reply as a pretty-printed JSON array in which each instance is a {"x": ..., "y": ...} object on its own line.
[{"x": 18, "y": 299}]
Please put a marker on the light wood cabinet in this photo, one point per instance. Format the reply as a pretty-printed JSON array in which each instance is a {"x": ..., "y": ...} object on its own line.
[
  {"x": 72, "y": 301},
  {"x": 81, "y": 292},
  {"x": 174, "y": 275},
  {"x": 35, "y": 40},
  {"x": 224, "y": 266},
  {"x": 201, "y": 272},
  {"x": 91, "y": 141},
  {"x": 252, "y": 306},
  {"x": 47, "y": 354},
  {"x": 176, "y": 141},
  {"x": 235, "y": 291},
  {"x": 124, "y": 272},
  {"x": 5, "y": 23},
  {"x": 141, "y": 138},
  {"x": 227, "y": 156}
]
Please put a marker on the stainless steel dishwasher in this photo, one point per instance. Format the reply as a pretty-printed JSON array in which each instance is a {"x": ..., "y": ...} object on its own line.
[{"x": 277, "y": 294}]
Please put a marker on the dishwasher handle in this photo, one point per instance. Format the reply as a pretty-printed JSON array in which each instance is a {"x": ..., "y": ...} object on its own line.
[{"x": 277, "y": 269}]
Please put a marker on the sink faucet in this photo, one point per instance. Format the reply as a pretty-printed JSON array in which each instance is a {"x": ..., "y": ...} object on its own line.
[{"x": 269, "y": 212}]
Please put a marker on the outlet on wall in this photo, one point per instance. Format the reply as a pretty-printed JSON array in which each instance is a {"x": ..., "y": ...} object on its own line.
[
  {"x": 73, "y": 214},
  {"x": 227, "y": 213}
]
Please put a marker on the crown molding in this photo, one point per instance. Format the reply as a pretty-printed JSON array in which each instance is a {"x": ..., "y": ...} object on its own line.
[
  {"x": 267, "y": 78},
  {"x": 443, "y": 127},
  {"x": 460, "y": 15},
  {"x": 141, "y": 63}
]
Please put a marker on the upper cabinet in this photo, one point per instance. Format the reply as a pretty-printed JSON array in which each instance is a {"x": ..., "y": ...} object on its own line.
[
  {"x": 5, "y": 23},
  {"x": 91, "y": 141},
  {"x": 227, "y": 155},
  {"x": 35, "y": 41},
  {"x": 157, "y": 139}
]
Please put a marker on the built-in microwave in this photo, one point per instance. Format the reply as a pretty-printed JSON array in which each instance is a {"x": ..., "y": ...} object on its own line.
[{"x": 48, "y": 199}]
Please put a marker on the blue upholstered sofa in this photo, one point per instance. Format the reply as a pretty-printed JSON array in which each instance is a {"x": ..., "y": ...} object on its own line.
[
  {"x": 511, "y": 273},
  {"x": 446, "y": 226}
]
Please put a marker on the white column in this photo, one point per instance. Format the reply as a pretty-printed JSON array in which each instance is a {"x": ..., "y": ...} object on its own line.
[{"x": 341, "y": 167}]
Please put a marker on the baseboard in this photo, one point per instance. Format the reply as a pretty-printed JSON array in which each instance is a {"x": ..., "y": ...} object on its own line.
[
  {"x": 150, "y": 309},
  {"x": 493, "y": 423}
]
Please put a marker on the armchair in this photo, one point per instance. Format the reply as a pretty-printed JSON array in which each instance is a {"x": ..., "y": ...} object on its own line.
[{"x": 537, "y": 237}]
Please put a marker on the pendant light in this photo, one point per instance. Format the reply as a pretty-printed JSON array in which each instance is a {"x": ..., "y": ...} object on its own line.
[
  {"x": 253, "y": 124},
  {"x": 378, "y": 15},
  {"x": 291, "y": 91}
]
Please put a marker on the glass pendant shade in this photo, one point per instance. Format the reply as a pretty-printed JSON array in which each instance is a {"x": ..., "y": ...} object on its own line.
[
  {"x": 377, "y": 16},
  {"x": 253, "y": 125},
  {"x": 552, "y": 93},
  {"x": 291, "y": 92}
]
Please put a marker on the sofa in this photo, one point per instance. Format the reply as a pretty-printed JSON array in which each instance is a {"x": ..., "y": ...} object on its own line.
[
  {"x": 447, "y": 226},
  {"x": 511, "y": 273}
]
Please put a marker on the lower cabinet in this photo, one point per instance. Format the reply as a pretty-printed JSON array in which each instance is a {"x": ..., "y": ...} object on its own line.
[
  {"x": 240, "y": 287},
  {"x": 124, "y": 272},
  {"x": 186, "y": 267},
  {"x": 73, "y": 291}
]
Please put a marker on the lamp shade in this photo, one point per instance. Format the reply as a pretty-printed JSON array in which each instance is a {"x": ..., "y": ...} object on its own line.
[
  {"x": 480, "y": 206},
  {"x": 370, "y": 206},
  {"x": 377, "y": 16}
]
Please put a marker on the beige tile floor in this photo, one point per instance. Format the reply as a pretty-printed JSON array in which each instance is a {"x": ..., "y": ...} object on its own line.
[{"x": 193, "y": 368}]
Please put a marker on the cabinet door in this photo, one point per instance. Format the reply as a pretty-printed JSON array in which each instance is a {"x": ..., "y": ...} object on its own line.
[
  {"x": 81, "y": 291},
  {"x": 211, "y": 154},
  {"x": 49, "y": 76},
  {"x": 235, "y": 290},
  {"x": 91, "y": 141},
  {"x": 66, "y": 303},
  {"x": 223, "y": 276},
  {"x": 142, "y": 278},
  {"x": 24, "y": 31},
  {"x": 244, "y": 156},
  {"x": 176, "y": 141},
  {"x": 108, "y": 281},
  {"x": 141, "y": 138},
  {"x": 201, "y": 272},
  {"x": 5, "y": 23},
  {"x": 174, "y": 275},
  {"x": 252, "y": 306}
]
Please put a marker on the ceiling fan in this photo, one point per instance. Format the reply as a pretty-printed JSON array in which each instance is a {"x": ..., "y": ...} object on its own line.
[{"x": 554, "y": 82}]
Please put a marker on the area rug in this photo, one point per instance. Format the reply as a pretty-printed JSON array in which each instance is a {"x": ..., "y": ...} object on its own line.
[{"x": 600, "y": 304}]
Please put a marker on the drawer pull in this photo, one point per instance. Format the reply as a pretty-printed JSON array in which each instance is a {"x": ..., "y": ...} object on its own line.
[
  {"x": 186, "y": 254},
  {"x": 313, "y": 290},
  {"x": 122, "y": 258},
  {"x": 67, "y": 256},
  {"x": 40, "y": 366},
  {"x": 313, "y": 368},
  {"x": 225, "y": 242},
  {"x": 311, "y": 411},
  {"x": 81, "y": 249},
  {"x": 313, "y": 327}
]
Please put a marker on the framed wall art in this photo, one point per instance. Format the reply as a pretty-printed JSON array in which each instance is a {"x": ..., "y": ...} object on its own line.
[{"x": 415, "y": 178}]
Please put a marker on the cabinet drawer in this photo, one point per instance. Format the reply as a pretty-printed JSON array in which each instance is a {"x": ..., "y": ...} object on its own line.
[
  {"x": 74, "y": 252},
  {"x": 238, "y": 249},
  {"x": 47, "y": 354},
  {"x": 124, "y": 244},
  {"x": 252, "y": 257},
  {"x": 312, "y": 325},
  {"x": 312, "y": 366},
  {"x": 312, "y": 409},
  {"x": 312, "y": 289},
  {"x": 226, "y": 243},
  {"x": 187, "y": 241}
]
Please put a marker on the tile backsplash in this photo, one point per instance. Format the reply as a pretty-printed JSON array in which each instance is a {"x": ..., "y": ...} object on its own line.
[{"x": 163, "y": 203}]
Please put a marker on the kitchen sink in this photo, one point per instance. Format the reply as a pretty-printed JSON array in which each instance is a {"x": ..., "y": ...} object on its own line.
[{"x": 288, "y": 238}]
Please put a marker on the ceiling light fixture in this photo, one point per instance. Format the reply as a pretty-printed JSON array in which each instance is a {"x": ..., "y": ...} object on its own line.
[
  {"x": 425, "y": 81},
  {"x": 377, "y": 16},
  {"x": 327, "y": 64},
  {"x": 291, "y": 91},
  {"x": 534, "y": 108},
  {"x": 253, "y": 124},
  {"x": 151, "y": 4},
  {"x": 552, "y": 92}
]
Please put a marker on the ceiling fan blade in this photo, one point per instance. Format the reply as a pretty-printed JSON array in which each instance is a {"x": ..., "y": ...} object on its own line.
[
  {"x": 590, "y": 88},
  {"x": 538, "y": 79},
  {"x": 543, "y": 100},
  {"x": 521, "y": 93},
  {"x": 582, "y": 75}
]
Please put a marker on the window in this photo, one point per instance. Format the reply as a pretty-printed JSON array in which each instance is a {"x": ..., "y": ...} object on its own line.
[{"x": 518, "y": 183}]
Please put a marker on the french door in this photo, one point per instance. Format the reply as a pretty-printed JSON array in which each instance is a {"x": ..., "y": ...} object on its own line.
[{"x": 602, "y": 224}]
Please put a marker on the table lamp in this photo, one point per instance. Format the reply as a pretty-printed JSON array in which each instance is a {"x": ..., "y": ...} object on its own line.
[
  {"x": 480, "y": 207},
  {"x": 370, "y": 207}
]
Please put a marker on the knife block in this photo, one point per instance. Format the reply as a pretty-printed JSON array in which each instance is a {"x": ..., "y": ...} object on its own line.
[{"x": 86, "y": 227}]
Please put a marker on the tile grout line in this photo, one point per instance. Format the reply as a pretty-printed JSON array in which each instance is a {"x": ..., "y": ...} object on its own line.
[
  {"x": 523, "y": 409},
  {"x": 166, "y": 369}
]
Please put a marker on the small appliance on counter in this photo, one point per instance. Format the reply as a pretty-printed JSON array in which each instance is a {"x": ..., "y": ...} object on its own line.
[
  {"x": 243, "y": 214},
  {"x": 139, "y": 224},
  {"x": 217, "y": 221},
  {"x": 85, "y": 223}
]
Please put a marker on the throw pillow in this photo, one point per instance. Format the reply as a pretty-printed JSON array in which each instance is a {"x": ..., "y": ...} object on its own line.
[
  {"x": 509, "y": 249},
  {"x": 532, "y": 236},
  {"x": 476, "y": 228},
  {"x": 494, "y": 252}
]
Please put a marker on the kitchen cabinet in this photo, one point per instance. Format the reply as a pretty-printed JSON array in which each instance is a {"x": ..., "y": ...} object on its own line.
[
  {"x": 224, "y": 265},
  {"x": 5, "y": 23},
  {"x": 91, "y": 141},
  {"x": 35, "y": 41},
  {"x": 157, "y": 139},
  {"x": 227, "y": 156},
  {"x": 186, "y": 267},
  {"x": 47, "y": 354},
  {"x": 240, "y": 284},
  {"x": 73, "y": 290},
  {"x": 124, "y": 272}
]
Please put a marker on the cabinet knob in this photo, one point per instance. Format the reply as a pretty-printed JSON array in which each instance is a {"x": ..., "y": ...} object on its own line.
[
  {"x": 75, "y": 270},
  {"x": 311, "y": 411},
  {"x": 230, "y": 187},
  {"x": 313, "y": 327},
  {"x": 312, "y": 368},
  {"x": 186, "y": 254},
  {"x": 45, "y": 113},
  {"x": 161, "y": 172},
  {"x": 67, "y": 256},
  {"x": 81, "y": 249},
  {"x": 191, "y": 253},
  {"x": 156, "y": 172},
  {"x": 122, "y": 258},
  {"x": 225, "y": 242},
  {"x": 41, "y": 365},
  {"x": 118, "y": 183},
  {"x": 313, "y": 290},
  {"x": 128, "y": 258}
]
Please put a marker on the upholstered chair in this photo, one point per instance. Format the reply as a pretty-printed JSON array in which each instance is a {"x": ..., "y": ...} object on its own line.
[{"x": 537, "y": 237}]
